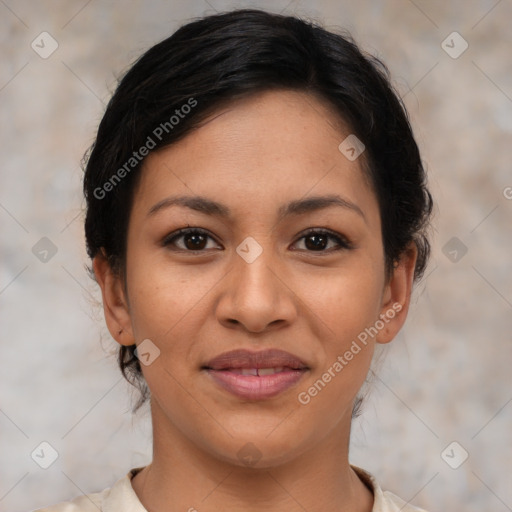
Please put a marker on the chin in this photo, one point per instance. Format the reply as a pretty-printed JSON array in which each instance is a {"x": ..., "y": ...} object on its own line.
[{"x": 258, "y": 449}]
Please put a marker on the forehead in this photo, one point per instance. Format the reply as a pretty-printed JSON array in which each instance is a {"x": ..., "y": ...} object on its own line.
[{"x": 261, "y": 150}]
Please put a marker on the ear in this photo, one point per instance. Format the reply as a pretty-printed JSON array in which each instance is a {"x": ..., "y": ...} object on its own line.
[
  {"x": 396, "y": 296},
  {"x": 115, "y": 304}
]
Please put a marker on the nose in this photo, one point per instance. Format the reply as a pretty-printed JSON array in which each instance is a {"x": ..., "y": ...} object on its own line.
[{"x": 255, "y": 296}]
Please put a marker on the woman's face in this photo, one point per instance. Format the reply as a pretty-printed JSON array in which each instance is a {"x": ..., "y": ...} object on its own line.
[{"x": 253, "y": 181}]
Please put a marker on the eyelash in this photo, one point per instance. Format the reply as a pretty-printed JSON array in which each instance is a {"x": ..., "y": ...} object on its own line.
[{"x": 342, "y": 241}]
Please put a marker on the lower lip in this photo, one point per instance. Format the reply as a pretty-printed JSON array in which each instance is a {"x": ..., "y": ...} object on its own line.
[{"x": 254, "y": 387}]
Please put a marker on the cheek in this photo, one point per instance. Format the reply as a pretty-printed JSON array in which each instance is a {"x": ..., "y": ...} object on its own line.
[
  {"x": 163, "y": 296},
  {"x": 345, "y": 304},
  {"x": 345, "y": 301},
  {"x": 169, "y": 305},
  {"x": 346, "y": 307}
]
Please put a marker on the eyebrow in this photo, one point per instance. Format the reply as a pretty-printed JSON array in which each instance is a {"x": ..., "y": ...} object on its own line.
[{"x": 297, "y": 207}]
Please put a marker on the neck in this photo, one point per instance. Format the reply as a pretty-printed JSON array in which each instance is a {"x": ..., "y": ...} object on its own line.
[{"x": 184, "y": 477}]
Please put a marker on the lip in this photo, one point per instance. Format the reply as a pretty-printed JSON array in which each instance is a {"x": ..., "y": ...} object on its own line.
[
  {"x": 226, "y": 368},
  {"x": 244, "y": 359}
]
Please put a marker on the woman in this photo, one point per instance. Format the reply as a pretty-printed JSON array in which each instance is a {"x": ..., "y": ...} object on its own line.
[{"x": 256, "y": 216}]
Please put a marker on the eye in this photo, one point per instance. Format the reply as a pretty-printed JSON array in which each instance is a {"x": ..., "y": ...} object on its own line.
[
  {"x": 193, "y": 239},
  {"x": 317, "y": 240}
]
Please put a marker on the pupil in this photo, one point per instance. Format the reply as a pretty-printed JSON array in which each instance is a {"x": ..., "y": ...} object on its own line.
[
  {"x": 197, "y": 241},
  {"x": 318, "y": 243}
]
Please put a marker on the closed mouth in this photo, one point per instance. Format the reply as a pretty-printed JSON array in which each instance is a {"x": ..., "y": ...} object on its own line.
[{"x": 245, "y": 362}]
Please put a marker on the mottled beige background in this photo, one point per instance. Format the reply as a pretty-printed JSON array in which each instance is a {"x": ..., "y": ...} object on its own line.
[{"x": 447, "y": 376}]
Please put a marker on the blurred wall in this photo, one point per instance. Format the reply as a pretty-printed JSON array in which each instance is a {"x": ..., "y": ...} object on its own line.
[{"x": 446, "y": 377}]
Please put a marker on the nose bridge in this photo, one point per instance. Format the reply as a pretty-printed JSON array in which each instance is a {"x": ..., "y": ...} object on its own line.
[
  {"x": 255, "y": 295},
  {"x": 254, "y": 276}
]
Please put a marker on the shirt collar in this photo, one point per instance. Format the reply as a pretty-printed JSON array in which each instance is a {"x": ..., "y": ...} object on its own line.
[{"x": 123, "y": 497}]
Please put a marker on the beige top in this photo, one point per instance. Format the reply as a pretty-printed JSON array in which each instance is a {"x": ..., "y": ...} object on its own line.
[{"x": 122, "y": 498}]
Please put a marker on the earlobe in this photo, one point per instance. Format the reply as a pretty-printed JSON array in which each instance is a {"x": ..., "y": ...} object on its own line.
[
  {"x": 397, "y": 295},
  {"x": 115, "y": 305}
]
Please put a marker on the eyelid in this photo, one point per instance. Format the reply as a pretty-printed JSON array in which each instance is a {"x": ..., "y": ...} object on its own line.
[
  {"x": 184, "y": 231},
  {"x": 342, "y": 240}
]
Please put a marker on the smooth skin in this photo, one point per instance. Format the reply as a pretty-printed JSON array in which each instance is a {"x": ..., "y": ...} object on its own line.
[{"x": 254, "y": 156}]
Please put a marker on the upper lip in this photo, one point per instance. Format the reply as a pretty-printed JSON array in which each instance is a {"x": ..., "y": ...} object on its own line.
[{"x": 242, "y": 358}]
